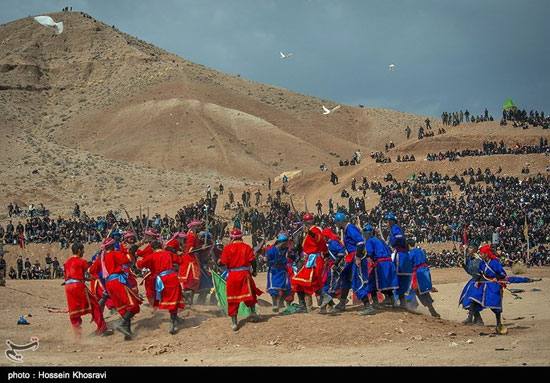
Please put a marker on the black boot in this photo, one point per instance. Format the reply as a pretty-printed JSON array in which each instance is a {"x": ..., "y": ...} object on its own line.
[
  {"x": 375, "y": 303},
  {"x": 301, "y": 309},
  {"x": 470, "y": 318},
  {"x": 172, "y": 328},
  {"x": 253, "y": 317},
  {"x": 403, "y": 302},
  {"x": 389, "y": 300},
  {"x": 275, "y": 303},
  {"x": 478, "y": 321},
  {"x": 234, "y": 325},
  {"x": 341, "y": 305},
  {"x": 101, "y": 303},
  {"x": 325, "y": 299},
  {"x": 124, "y": 325},
  {"x": 434, "y": 313},
  {"x": 368, "y": 308}
]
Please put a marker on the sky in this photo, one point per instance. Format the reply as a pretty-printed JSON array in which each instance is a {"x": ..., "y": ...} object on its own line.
[{"x": 448, "y": 55}]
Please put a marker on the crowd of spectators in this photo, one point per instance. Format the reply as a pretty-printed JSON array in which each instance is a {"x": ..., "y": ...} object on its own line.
[
  {"x": 520, "y": 119},
  {"x": 491, "y": 148}
]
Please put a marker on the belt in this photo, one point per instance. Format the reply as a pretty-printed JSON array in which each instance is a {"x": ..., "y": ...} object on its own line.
[
  {"x": 69, "y": 281},
  {"x": 419, "y": 266},
  {"x": 387, "y": 259},
  {"x": 278, "y": 266},
  {"x": 311, "y": 260},
  {"x": 401, "y": 249},
  {"x": 122, "y": 278},
  {"x": 239, "y": 269},
  {"x": 159, "y": 286}
]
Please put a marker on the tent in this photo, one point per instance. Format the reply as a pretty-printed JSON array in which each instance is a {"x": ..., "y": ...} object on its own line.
[{"x": 509, "y": 105}]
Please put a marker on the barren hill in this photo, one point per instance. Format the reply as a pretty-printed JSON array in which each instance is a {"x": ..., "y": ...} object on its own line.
[{"x": 104, "y": 118}]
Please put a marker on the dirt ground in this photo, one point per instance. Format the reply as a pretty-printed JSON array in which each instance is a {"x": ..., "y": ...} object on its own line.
[{"x": 389, "y": 338}]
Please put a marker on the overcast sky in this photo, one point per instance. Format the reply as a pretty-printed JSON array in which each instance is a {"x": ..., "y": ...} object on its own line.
[{"x": 448, "y": 55}]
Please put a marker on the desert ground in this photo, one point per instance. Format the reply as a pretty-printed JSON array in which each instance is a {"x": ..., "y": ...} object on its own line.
[{"x": 389, "y": 338}]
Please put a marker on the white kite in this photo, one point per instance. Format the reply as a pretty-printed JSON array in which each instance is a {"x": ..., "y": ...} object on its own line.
[
  {"x": 392, "y": 67},
  {"x": 283, "y": 56},
  {"x": 327, "y": 111},
  {"x": 48, "y": 21}
]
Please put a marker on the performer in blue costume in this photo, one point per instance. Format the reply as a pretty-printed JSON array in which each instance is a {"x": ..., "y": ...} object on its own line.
[
  {"x": 354, "y": 274},
  {"x": 471, "y": 266},
  {"x": 489, "y": 293},
  {"x": 334, "y": 262},
  {"x": 421, "y": 280},
  {"x": 485, "y": 289},
  {"x": 277, "y": 277},
  {"x": 383, "y": 275},
  {"x": 402, "y": 260}
]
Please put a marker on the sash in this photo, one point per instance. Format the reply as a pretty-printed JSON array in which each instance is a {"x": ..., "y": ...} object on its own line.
[
  {"x": 69, "y": 281},
  {"x": 159, "y": 286},
  {"x": 387, "y": 259},
  {"x": 122, "y": 278},
  {"x": 239, "y": 269},
  {"x": 311, "y": 260}
]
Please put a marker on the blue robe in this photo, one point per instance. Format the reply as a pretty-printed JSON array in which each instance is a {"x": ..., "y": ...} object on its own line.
[
  {"x": 336, "y": 253},
  {"x": 489, "y": 293},
  {"x": 423, "y": 276},
  {"x": 383, "y": 276},
  {"x": 403, "y": 262},
  {"x": 277, "y": 277},
  {"x": 470, "y": 287},
  {"x": 353, "y": 241}
]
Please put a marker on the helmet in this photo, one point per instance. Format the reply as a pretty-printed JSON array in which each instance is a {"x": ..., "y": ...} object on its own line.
[
  {"x": 368, "y": 229},
  {"x": 308, "y": 217},
  {"x": 282, "y": 238},
  {"x": 391, "y": 216},
  {"x": 339, "y": 217}
]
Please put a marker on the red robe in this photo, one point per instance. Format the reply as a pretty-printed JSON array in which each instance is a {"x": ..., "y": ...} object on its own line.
[
  {"x": 78, "y": 296},
  {"x": 240, "y": 285},
  {"x": 123, "y": 297},
  {"x": 96, "y": 286},
  {"x": 131, "y": 277},
  {"x": 310, "y": 280},
  {"x": 149, "y": 282},
  {"x": 174, "y": 243},
  {"x": 171, "y": 296},
  {"x": 189, "y": 274}
]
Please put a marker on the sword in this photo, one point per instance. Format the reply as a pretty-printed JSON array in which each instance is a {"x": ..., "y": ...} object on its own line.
[{"x": 131, "y": 223}]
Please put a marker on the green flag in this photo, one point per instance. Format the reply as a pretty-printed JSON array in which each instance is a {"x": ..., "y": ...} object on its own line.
[{"x": 219, "y": 288}]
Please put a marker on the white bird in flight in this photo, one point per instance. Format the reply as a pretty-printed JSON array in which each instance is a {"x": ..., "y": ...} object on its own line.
[
  {"x": 283, "y": 56},
  {"x": 392, "y": 67},
  {"x": 48, "y": 21},
  {"x": 327, "y": 111}
]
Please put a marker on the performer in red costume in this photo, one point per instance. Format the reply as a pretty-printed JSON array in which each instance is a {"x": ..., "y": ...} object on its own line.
[
  {"x": 149, "y": 236},
  {"x": 80, "y": 300},
  {"x": 116, "y": 282},
  {"x": 238, "y": 257},
  {"x": 189, "y": 274},
  {"x": 168, "y": 290},
  {"x": 309, "y": 280}
]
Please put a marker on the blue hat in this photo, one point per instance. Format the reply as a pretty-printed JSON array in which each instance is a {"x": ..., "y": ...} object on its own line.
[
  {"x": 368, "y": 228},
  {"x": 339, "y": 216},
  {"x": 391, "y": 216},
  {"x": 282, "y": 238}
]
